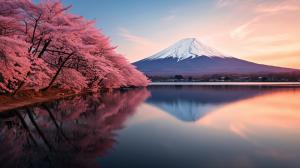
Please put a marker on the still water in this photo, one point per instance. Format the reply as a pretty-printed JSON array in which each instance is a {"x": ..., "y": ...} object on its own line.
[{"x": 159, "y": 127}]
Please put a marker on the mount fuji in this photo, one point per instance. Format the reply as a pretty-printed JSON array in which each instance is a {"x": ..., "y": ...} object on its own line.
[{"x": 191, "y": 57}]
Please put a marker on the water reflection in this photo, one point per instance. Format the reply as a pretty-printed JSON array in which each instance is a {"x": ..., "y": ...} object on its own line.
[
  {"x": 174, "y": 126},
  {"x": 269, "y": 122},
  {"x": 71, "y": 132},
  {"x": 190, "y": 103},
  {"x": 216, "y": 127}
]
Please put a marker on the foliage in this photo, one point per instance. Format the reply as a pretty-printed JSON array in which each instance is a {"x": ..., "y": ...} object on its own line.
[{"x": 43, "y": 45}]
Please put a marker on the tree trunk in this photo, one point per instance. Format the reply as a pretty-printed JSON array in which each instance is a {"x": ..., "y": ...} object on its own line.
[
  {"x": 44, "y": 48},
  {"x": 33, "y": 34},
  {"x": 39, "y": 56},
  {"x": 57, "y": 72},
  {"x": 21, "y": 85},
  {"x": 38, "y": 46},
  {"x": 57, "y": 126},
  {"x": 24, "y": 124},
  {"x": 40, "y": 132}
]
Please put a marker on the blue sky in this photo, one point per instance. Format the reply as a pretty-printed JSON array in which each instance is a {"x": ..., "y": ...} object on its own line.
[
  {"x": 136, "y": 15},
  {"x": 263, "y": 31},
  {"x": 130, "y": 22}
]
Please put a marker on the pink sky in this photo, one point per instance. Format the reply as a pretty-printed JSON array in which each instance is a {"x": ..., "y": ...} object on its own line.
[{"x": 266, "y": 32}]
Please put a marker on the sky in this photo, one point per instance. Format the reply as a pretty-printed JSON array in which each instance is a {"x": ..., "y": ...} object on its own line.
[{"x": 262, "y": 31}]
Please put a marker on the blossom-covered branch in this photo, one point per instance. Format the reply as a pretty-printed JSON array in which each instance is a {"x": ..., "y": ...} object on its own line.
[{"x": 43, "y": 46}]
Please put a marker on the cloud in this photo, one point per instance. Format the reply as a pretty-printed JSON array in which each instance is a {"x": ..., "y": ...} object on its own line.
[
  {"x": 277, "y": 56},
  {"x": 275, "y": 49},
  {"x": 243, "y": 30},
  {"x": 264, "y": 13},
  {"x": 265, "y": 6},
  {"x": 269, "y": 39},
  {"x": 123, "y": 32},
  {"x": 225, "y": 3},
  {"x": 168, "y": 18},
  {"x": 135, "y": 47},
  {"x": 267, "y": 33},
  {"x": 284, "y": 6}
]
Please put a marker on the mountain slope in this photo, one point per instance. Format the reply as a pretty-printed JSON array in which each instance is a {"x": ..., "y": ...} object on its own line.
[
  {"x": 190, "y": 103},
  {"x": 186, "y": 48},
  {"x": 190, "y": 57}
]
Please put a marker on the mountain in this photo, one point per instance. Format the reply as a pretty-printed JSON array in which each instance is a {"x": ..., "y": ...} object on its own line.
[
  {"x": 191, "y": 57},
  {"x": 190, "y": 103}
]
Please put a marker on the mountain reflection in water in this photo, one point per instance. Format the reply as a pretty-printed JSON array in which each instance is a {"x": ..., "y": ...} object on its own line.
[
  {"x": 162, "y": 126},
  {"x": 71, "y": 132},
  {"x": 255, "y": 126},
  {"x": 189, "y": 103}
]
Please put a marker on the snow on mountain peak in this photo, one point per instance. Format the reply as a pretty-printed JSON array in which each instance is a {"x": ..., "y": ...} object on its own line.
[{"x": 186, "y": 48}]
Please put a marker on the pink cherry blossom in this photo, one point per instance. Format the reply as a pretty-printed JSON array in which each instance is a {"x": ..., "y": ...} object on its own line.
[{"x": 43, "y": 45}]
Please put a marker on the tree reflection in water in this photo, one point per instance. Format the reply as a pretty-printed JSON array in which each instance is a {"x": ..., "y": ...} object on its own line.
[{"x": 70, "y": 132}]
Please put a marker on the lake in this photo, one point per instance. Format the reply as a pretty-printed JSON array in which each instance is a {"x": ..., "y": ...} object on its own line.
[{"x": 178, "y": 126}]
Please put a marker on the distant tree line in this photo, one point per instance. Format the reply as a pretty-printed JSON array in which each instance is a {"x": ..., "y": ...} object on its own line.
[{"x": 264, "y": 77}]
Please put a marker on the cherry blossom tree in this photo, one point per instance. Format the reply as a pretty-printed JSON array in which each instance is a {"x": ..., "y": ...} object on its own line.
[{"x": 43, "y": 46}]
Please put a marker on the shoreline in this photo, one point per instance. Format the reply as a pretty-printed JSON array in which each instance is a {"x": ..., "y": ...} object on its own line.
[
  {"x": 28, "y": 98},
  {"x": 279, "y": 84}
]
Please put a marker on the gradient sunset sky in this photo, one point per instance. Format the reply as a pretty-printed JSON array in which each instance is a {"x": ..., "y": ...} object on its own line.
[{"x": 263, "y": 31}]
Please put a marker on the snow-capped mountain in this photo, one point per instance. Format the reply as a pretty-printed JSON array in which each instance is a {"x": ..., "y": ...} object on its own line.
[
  {"x": 190, "y": 103},
  {"x": 186, "y": 48},
  {"x": 191, "y": 57}
]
